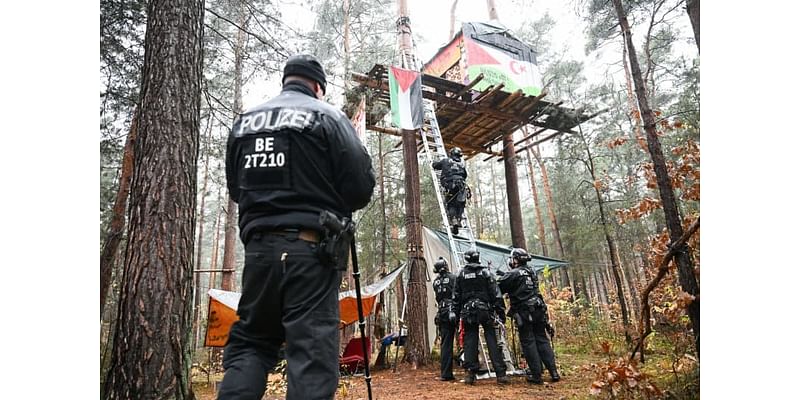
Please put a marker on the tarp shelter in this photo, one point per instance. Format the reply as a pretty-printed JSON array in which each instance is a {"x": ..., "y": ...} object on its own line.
[
  {"x": 348, "y": 306},
  {"x": 223, "y": 304},
  {"x": 435, "y": 244}
]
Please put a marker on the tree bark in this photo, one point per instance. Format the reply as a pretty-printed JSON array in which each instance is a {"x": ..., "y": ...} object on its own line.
[
  {"x": 382, "y": 201},
  {"x": 198, "y": 262},
  {"x": 151, "y": 355},
  {"x": 417, "y": 347},
  {"x": 685, "y": 268},
  {"x": 492, "y": 9},
  {"x": 231, "y": 220},
  {"x": 495, "y": 203},
  {"x": 537, "y": 209},
  {"x": 114, "y": 235},
  {"x": 612, "y": 247},
  {"x": 452, "y": 20},
  {"x": 512, "y": 193},
  {"x": 693, "y": 9},
  {"x": 548, "y": 194}
]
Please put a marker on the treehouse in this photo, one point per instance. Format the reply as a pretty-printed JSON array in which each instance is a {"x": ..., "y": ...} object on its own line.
[{"x": 487, "y": 85}]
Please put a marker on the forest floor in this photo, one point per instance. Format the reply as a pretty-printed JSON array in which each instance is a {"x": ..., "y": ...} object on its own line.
[{"x": 577, "y": 369}]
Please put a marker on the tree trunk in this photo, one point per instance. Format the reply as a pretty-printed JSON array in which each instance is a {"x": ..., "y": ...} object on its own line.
[
  {"x": 417, "y": 347},
  {"x": 382, "y": 201},
  {"x": 231, "y": 220},
  {"x": 151, "y": 356},
  {"x": 693, "y": 9},
  {"x": 685, "y": 268},
  {"x": 452, "y": 20},
  {"x": 198, "y": 262},
  {"x": 492, "y": 9},
  {"x": 114, "y": 236},
  {"x": 548, "y": 194},
  {"x": 495, "y": 204},
  {"x": 512, "y": 193},
  {"x": 612, "y": 247},
  {"x": 346, "y": 37},
  {"x": 477, "y": 202},
  {"x": 536, "y": 208}
]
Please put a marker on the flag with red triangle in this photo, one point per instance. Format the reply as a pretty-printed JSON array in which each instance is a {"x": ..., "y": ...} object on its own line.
[{"x": 405, "y": 91}]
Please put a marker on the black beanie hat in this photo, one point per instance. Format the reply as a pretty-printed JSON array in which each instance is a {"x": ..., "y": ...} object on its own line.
[{"x": 305, "y": 65}]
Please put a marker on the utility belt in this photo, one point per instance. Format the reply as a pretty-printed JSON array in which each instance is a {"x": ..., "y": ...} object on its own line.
[
  {"x": 476, "y": 311},
  {"x": 302, "y": 234},
  {"x": 529, "y": 311},
  {"x": 445, "y": 304}
]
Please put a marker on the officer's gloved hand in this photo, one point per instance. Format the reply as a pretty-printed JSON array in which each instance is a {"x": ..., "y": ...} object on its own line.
[{"x": 550, "y": 330}]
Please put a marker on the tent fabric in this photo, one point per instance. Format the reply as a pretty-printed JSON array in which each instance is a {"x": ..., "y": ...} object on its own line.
[
  {"x": 223, "y": 304},
  {"x": 348, "y": 306},
  {"x": 221, "y": 316}
]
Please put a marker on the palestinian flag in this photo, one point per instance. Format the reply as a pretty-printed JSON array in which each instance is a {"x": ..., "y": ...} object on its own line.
[{"x": 405, "y": 89}]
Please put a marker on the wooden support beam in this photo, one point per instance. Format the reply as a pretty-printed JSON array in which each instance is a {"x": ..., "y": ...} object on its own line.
[
  {"x": 382, "y": 129},
  {"x": 538, "y": 131}
]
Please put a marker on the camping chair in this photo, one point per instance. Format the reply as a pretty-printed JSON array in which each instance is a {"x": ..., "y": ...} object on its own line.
[{"x": 353, "y": 357}]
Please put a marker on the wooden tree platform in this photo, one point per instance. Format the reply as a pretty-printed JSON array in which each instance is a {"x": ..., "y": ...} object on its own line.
[{"x": 476, "y": 120}]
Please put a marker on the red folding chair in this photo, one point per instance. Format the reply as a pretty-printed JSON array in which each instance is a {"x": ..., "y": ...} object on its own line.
[{"x": 353, "y": 357}]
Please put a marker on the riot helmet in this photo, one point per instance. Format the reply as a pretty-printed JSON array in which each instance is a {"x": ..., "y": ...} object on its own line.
[
  {"x": 472, "y": 256},
  {"x": 455, "y": 152},
  {"x": 520, "y": 257},
  {"x": 440, "y": 265}
]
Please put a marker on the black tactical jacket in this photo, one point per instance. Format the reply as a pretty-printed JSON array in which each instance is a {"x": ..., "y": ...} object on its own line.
[
  {"x": 451, "y": 169},
  {"x": 476, "y": 282},
  {"x": 292, "y": 157},
  {"x": 520, "y": 284},
  {"x": 444, "y": 286}
]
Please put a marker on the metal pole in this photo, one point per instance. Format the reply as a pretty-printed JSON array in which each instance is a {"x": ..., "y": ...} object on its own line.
[{"x": 361, "y": 323}]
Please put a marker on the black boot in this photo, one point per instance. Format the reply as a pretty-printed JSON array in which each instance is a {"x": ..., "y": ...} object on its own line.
[
  {"x": 470, "y": 378},
  {"x": 533, "y": 380},
  {"x": 503, "y": 380},
  {"x": 554, "y": 376}
]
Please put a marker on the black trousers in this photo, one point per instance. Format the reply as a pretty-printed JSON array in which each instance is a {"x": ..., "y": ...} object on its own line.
[
  {"x": 471, "y": 346},
  {"x": 538, "y": 336},
  {"x": 287, "y": 296},
  {"x": 447, "y": 331},
  {"x": 529, "y": 350}
]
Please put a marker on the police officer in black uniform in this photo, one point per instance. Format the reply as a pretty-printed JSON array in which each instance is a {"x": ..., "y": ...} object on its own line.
[
  {"x": 529, "y": 312},
  {"x": 288, "y": 160},
  {"x": 454, "y": 180},
  {"x": 444, "y": 287},
  {"x": 478, "y": 301}
]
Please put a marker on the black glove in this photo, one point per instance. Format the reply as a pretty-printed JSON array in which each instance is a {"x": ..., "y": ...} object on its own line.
[{"x": 550, "y": 330}]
